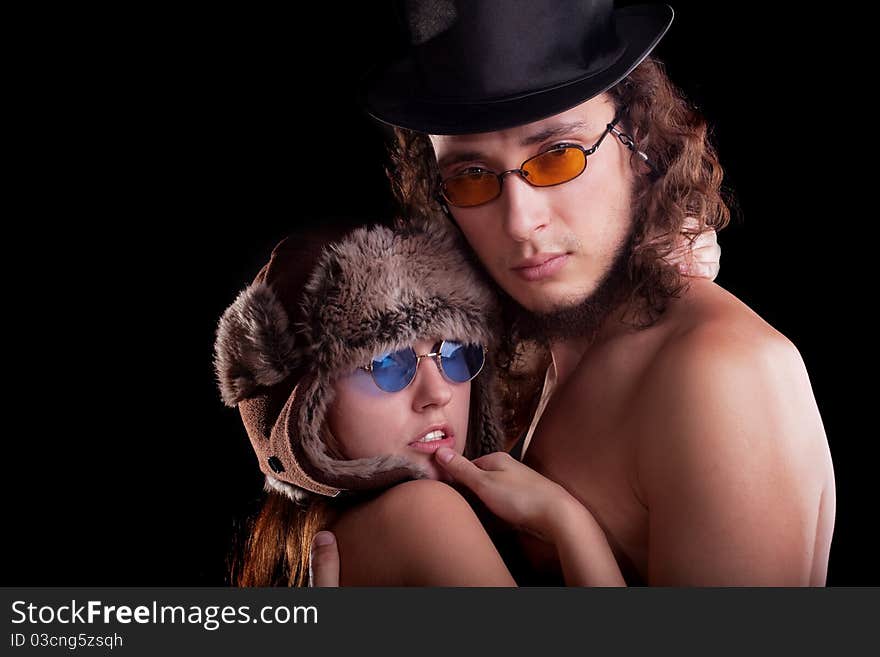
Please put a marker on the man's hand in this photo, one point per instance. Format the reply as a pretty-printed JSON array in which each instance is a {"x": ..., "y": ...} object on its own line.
[{"x": 324, "y": 561}]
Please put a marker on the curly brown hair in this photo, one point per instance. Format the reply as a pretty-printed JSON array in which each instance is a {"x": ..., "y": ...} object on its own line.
[{"x": 684, "y": 198}]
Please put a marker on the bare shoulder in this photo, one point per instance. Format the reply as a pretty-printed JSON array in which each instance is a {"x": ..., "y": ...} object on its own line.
[
  {"x": 710, "y": 333},
  {"x": 722, "y": 361},
  {"x": 419, "y": 532},
  {"x": 730, "y": 435},
  {"x": 708, "y": 311},
  {"x": 396, "y": 512},
  {"x": 406, "y": 502}
]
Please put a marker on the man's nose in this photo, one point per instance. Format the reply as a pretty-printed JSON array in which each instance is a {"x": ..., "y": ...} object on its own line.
[
  {"x": 430, "y": 386},
  {"x": 524, "y": 207}
]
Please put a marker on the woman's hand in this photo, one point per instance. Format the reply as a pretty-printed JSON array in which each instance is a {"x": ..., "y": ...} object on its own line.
[
  {"x": 534, "y": 504},
  {"x": 702, "y": 259},
  {"x": 512, "y": 491},
  {"x": 525, "y": 499}
]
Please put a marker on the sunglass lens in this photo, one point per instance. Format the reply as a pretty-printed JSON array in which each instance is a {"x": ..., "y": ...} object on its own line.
[
  {"x": 556, "y": 166},
  {"x": 461, "y": 362},
  {"x": 393, "y": 371},
  {"x": 470, "y": 189}
]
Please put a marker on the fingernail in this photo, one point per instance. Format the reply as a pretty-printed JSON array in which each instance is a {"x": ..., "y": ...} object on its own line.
[
  {"x": 322, "y": 538},
  {"x": 444, "y": 454}
]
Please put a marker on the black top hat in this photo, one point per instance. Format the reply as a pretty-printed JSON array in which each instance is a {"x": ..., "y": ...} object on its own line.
[{"x": 483, "y": 65}]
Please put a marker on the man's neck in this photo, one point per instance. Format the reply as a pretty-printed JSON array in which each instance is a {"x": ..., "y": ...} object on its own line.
[{"x": 568, "y": 352}]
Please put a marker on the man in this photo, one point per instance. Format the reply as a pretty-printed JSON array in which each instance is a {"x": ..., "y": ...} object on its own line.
[{"x": 678, "y": 417}]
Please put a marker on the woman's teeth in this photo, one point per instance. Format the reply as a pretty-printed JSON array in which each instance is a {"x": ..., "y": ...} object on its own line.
[{"x": 433, "y": 435}]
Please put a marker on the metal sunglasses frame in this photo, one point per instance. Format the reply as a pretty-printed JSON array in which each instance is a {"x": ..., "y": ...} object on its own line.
[
  {"x": 624, "y": 139},
  {"x": 437, "y": 357}
]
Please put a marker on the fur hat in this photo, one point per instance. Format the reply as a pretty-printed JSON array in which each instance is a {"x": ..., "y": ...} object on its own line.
[{"x": 320, "y": 308}]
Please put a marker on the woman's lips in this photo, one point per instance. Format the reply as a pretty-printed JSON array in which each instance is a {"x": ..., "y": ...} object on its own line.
[
  {"x": 433, "y": 445},
  {"x": 544, "y": 270}
]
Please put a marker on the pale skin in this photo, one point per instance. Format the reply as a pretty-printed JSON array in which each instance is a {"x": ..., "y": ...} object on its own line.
[
  {"x": 448, "y": 546},
  {"x": 429, "y": 533},
  {"x": 696, "y": 444},
  {"x": 360, "y": 408}
]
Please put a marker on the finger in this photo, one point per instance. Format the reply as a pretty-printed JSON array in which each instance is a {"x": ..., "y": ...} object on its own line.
[
  {"x": 712, "y": 270},
  {"x": 706, "y": 253},
  {"x": 703, "y": 270},
  {"x": 324, "y": 561},
  {"x": 690, "y": 224},
  {"x": 493, "y": 461},
  {"x": 706, "y": 240},
  {"x": 462, "y": 470}
]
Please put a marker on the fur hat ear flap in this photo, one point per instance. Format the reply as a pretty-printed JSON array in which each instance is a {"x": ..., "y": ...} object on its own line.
[
  {"x": 255, "y": 344},
  {"x": 291, "y": 492}
]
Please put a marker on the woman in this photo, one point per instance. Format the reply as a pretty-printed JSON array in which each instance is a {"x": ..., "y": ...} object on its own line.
[{"x": 326, "y": 355}]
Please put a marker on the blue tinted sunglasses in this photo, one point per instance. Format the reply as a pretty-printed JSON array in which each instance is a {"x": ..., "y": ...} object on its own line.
[{"x": 394, "y": 371}]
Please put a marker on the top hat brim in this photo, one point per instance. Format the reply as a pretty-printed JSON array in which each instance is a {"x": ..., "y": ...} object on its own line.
[{"x": 383, "y": 91}]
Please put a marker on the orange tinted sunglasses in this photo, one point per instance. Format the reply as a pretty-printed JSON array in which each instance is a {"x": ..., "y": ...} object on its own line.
[{"x": 558, "y": 165}]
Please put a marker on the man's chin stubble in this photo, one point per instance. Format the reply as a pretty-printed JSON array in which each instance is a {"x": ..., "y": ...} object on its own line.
[{"x": 581, "y": 318}]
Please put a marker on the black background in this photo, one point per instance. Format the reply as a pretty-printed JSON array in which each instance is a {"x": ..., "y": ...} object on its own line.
[{"x": 162, "y": 159}]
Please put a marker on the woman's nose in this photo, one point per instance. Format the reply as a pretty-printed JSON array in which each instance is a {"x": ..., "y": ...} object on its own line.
[{"x": 430, "y": 386}]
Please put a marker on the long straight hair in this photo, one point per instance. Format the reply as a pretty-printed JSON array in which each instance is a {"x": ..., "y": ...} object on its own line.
[{"x": 275, "y": 542}]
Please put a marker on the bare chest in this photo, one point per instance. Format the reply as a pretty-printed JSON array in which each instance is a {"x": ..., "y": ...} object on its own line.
[{"x": 585, "y": 442}]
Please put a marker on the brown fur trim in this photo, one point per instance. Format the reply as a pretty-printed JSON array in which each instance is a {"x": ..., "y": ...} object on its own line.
[
  {"x": 254, "y": 345},
  {"x": 380, "y": 290},
  {"x": 374, "y": 290},
  {"x": 307, "y": 418}
]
